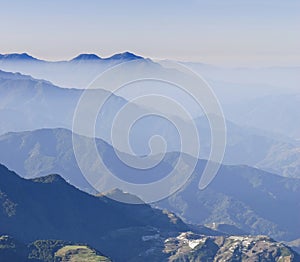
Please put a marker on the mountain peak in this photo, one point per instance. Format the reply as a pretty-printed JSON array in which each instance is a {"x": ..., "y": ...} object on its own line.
[
  {"x": 119, "y": 195},
  {"x": 17, "y": 56},
  {"x": 125, "y": 56},
  {"x": 88, "y": 57},
  {"x": 49, "y": 179},
  {"x": 128, "y": 56}
]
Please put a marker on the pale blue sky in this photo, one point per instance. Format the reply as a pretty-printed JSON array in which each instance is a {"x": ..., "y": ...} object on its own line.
[{"x": 233, "y": 32}]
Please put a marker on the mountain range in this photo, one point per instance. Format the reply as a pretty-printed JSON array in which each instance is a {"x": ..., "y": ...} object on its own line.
[
  {"x": 36, "y": 104},
  {"x": 62, "y": 217},
  {"x": 36, "y": 211},
  {"x": 256, "y": 194},
  {"x": 25, "y": 57},
  {"x": 49, "y": 208},
  {"x": 78, "y": 72},
  {"x": 264, "y": 98}
]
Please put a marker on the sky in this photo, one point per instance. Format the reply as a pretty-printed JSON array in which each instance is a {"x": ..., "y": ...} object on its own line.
[{"x": 231, "y": 32}]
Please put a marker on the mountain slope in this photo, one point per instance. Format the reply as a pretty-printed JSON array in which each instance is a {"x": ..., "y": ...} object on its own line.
[
  {"x": 49, "y": 208},
  {"x": 17, "y": 57},
  {"x": 35, "y": 104},
  {"x": 192, "y": 247},
  {"x": 12, "y": 250},
  {"x": 263, "y": 97},
  {"x": 275, "y": 113},
  {"x": 254, "y": 147},
  {"x": 273, "y": 92},
  {"x": 47, "y": 251},
  {"x": 79, "y": 72},
  {"x": 250, "y": 199}
]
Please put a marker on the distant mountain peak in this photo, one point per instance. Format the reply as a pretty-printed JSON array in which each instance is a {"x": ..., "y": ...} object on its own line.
[
  {"x": 125, "y": 56},
  {"x": 17, "y": 56},
  {"x": 88, "y": 57},
  {"x": 128, "y": 56}
]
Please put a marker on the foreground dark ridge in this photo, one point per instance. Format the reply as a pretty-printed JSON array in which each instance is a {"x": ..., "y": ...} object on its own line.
[{"x": 50, "y": 208}]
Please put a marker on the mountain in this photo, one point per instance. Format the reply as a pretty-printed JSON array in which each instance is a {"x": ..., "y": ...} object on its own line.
[
  {"x": 88, "y": 57},
  {"x": 78, "y": 72},
  {"x": 49, "y": 208},
  {"x": 264, "y": 97},
  {"x": 192, "y": 247},
  {"x": 252, "y": 200},
  {"x": 254, "y": 147},
  {"x": 17, "y": 57},
  {"x": 295, "y": 244},
  {"x": 33, "y": 103},
  {"x": 227, "y": 229},
  {"x": 272, "y": 112},
  {"x": 187, "y": 246},
  {"x": 240, "y": 196},
  {"x": 47, "y": 251},
  {"x": 128, "y": 56},
  {"x": 36, "y": 104},
  {"x": 124, "y": 56},
  {"x": 15, "y": 76}
]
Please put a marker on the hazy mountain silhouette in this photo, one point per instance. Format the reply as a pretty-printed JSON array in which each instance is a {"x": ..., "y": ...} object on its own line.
[
  {"x": 35, "y": 104},
  {"x": 77, "y": 72},
  {"x": 242, "y": 196}
]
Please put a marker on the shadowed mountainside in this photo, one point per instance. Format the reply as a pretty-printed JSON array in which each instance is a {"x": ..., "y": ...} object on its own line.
[{"x": 250, "y": 199}]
